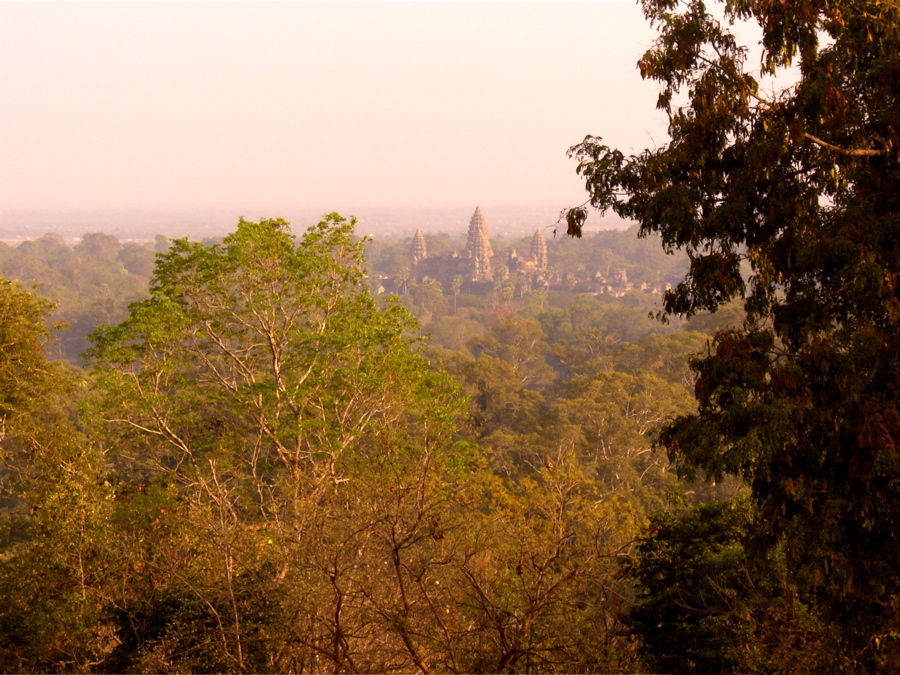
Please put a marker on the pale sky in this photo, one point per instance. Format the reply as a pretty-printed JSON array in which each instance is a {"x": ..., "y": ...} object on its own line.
[{"x": 263, "y": 104}]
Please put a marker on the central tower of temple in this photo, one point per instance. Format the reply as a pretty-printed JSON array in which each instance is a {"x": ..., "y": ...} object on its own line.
[
  {"x": 539, "y": 251},
  {"x": 478, "y": 248},
  {"x": 419, "y": 251}
]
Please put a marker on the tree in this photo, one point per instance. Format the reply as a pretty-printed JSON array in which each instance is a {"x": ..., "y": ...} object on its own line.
[
  {"x": 706, "y": 606},
  {"x": 137, "y": 259},
  {"x": 99, "y": 247},
  {"x": 286, "y": 463},
  {"x": 24, "y": 338},
  {"x": 428, "y": 298},
  {"x": 53, "y": 502},
  {"x": 538, "y": 587},
  {"x": 456, "y": 287},
  {"x": 800, "y": 188},
  {"x": 609, "y": 422},
  {"x": 663, "y": 355}
]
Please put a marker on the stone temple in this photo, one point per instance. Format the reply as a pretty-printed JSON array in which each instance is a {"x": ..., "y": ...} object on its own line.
[
  {"x": 479, "y": 271},
  {"x": 477, "y": 266}
]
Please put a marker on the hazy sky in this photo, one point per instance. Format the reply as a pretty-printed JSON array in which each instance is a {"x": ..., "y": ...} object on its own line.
[{"x": 189, "y": 104}]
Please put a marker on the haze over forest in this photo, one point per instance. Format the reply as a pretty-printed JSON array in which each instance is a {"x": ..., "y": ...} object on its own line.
[
  {"x": 142, "y": 225},
  {"x": 127, "y": 116}
]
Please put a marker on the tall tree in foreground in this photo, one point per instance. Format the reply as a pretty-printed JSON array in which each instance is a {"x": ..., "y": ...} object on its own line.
[
  {"x": 290, "y": 496},
  {"x": 788, "y": 199},
  {"x": 283, "y": 452}
]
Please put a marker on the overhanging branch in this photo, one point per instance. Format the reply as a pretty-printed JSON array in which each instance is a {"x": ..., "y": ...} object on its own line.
[{"x": 855, "y": 152}]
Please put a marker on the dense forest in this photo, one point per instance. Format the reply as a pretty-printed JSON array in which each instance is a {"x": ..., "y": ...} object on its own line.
[
  {"x": 237, "y": 455},
  {"x": 264, "y": 467}
]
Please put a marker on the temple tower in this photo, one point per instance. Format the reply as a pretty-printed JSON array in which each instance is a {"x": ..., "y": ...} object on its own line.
[
  {"x": 478, "y": 247},
  {"x": 418, "y": 252},
  {"x": 539, "y": 250}
]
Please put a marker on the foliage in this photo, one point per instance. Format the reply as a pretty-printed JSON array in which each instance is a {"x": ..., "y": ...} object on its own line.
[
  {"x": 261, "y": 471},
  {"x": 281, "y": 407},
  {"x": 53, "y": 502},
  {"x": 90, "y": 283},
  {"x": 800, "y": 187},
  {"x": 24, "y": 338},
  {"x": 294, "y": 495},
  {"x": 706, "y": 606}
]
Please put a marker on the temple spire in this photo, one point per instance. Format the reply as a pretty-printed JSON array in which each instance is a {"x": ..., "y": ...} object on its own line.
[
  {"x": 478, "y": 247},
  {"x": 419, "y": 252},
  {"x": 539, "y": 250}
]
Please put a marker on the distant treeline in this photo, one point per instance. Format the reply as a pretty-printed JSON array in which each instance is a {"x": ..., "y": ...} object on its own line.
[{"x": 92, "y": 282}]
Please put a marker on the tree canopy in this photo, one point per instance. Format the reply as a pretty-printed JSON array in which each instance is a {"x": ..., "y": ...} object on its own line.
[
  {"x": 787, "y": 197},
  {"x": 292, "y": 491}
]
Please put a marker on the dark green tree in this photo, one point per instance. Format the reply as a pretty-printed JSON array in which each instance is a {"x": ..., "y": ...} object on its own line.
[
  {"x": 790, "y": 201},
  {"x": 706, "y": 606}
]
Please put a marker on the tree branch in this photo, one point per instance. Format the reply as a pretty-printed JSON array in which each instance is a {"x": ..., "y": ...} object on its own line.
[{"x": 855, "y": 152}]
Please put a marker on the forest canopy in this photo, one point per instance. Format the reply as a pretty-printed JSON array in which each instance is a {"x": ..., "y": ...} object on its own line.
[{"x": 265, "y": 468}]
